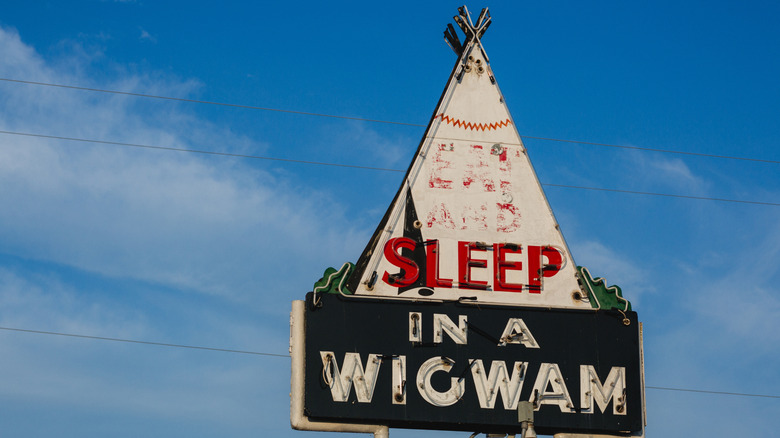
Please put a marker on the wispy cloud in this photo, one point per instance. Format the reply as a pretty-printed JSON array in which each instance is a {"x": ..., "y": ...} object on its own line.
[
  {"x": 178, "y": 219},
  {"x": 146, "y": 36},
  {"x": 617, "y": 269},
  {"x": 672, "y": 173},
  {"x": 742, "y": 303},
  {"x": 124, "y": 379},
  {"x": 360, "y": 140}
]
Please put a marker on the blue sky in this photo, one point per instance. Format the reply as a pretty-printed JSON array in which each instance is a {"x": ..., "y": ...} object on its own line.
[{"x": 194, "y": 249}]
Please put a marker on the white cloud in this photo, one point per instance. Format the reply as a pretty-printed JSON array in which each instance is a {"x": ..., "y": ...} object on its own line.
[
  {"x": 742, "y": 303},
  {"x": 616, "y": 269},
  {"x": 359, "y": 140},
  {"x": 716, "y": 328},
  {"x": 146, "y": 36},
  {"x": 127, "y": 379},
  {"x": 673, "y": 168},
  {"x": 178, "y": 219},
  {"x": 655, "y": 169},
  {"x": 744, "y": 313}
]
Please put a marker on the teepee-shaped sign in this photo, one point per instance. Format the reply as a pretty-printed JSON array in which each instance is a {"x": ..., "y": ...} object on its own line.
[
  {"x": 511, "y": 314},
  {"x": 470, "y": 220}
]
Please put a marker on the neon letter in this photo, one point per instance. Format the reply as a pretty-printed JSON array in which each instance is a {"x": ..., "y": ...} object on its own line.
[
  {"x": 489, "y": 385},
  {"x": 465, "y": 263},
  {"x": 537, "y": 269},
  {"x": 352, "y": 371},
  {"x": 443, "y": 324},
  {"x": 409, "y": 268},
  {"x": 550, "y": 375},
  {"x": 614, "y": 388},
  {"x": 432, "y": 396},
  {"x": 516, "y": 332},
  {"x": 432, "y": 266},
  {"x": 501, "y": 265}
]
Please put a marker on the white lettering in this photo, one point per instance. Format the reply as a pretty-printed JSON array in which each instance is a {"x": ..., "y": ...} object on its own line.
[
  {"x": 489, "y": 385},
  {"x": 415, "y": 327},
  {"x": 614, "y": 388},
  {"x": 550, "y": 376},
  {"x": 442, "y": 323},
  {"x": 340, "y": 382},
  {"x": 516, "y": 332},
  {"x": 399, "y": 380},
  {"x": 432, "y": 396}
]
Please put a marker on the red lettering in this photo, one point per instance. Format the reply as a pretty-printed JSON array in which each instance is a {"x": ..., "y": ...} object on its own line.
[
  {"x": 537, "y": 269},
  {"x": 409, "y": 269},
  {"x": 501, "y": 265},
  {"x": 439, "y": 164},
  {"x": 466, "y": 262},
  {"x": 474, "y": 219},
  {"x": 441, "y": 217},
  {"x": 478, "y": 170},
  {"x": 432, "y": 278},
  {"x": 508, "y": 218},
  {"x": 542, "y": 262}
]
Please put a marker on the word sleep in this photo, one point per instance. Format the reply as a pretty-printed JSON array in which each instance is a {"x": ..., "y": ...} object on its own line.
[{"x": 536, "y": 263}]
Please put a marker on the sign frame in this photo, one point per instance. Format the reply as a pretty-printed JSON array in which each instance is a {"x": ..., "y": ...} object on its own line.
[{"x": 350, "y": 313}]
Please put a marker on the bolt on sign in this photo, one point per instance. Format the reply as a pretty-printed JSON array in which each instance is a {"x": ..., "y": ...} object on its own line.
[{"x": 466, "y": 300}]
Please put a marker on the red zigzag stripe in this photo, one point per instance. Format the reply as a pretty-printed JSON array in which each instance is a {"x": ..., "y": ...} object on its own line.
[{"x": 472, "y": 126}]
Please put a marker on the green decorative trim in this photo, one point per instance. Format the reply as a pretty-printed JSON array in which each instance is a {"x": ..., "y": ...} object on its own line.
[
  {"x": 601, "y": 296},
  {"x": 332, "y": 281}
]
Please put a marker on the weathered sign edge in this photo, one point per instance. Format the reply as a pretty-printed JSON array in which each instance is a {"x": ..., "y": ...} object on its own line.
[{"x": 298, "y": 418}]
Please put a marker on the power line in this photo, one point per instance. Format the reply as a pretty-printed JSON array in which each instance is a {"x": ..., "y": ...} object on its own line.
[
  {"x": 320, "y": 163},
  {"x": 208, "y": 102},
  {"x": 633, "y": 192},
  {"x": 362, "y": 119},
  {"x": 741, "y": 394},
  {"x": 666, "y": 151},
  {"x": 195, "y": 151},
  {"x": 101, "y": 338},
  {"x": 257, "y": 353}
]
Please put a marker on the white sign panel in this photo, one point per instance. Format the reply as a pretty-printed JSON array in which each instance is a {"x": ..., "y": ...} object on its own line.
[{"x": 470, "y": 219}]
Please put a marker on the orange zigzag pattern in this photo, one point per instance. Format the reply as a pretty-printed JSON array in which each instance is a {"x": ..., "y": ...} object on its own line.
[{"x": 472, "y": 126}]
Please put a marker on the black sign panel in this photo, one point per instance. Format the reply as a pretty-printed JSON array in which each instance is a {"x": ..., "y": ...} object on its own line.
[{"x": 456, "y": 366}]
